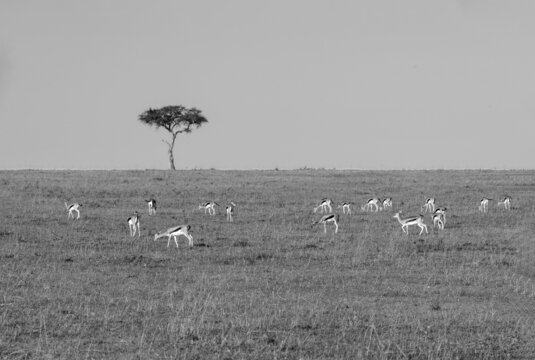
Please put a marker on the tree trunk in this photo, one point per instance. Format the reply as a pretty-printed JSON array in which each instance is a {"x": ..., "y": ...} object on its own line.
[{"x": 171, "y": 157}]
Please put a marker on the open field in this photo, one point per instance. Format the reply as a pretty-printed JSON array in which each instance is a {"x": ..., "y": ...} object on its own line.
[{"x": 267, "y": 286}]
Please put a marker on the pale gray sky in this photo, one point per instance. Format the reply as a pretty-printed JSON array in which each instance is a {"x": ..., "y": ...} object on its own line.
[{"x": 336, "y": 84}]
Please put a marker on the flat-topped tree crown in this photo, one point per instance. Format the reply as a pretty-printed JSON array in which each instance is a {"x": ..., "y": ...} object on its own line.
[{"x": 175, "y": 119}]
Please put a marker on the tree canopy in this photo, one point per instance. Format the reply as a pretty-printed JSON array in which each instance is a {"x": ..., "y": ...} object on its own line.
[{"x": 174, "y": 119}]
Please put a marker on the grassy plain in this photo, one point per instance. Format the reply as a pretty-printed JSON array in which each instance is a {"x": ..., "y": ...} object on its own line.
[{"x": 267, "y": 286}]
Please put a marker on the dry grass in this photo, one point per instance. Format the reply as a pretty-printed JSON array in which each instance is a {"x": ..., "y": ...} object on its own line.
[{"x": 267, "y": 285}]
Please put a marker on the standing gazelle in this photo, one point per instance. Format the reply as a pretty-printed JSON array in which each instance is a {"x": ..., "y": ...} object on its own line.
[
  {"x": 414, "y": 220},
  {"x": 73, "y": 208},
  {"x": 484, "y": 205},
  {"x": 387, "y": 203},
  {"x": 429, "y": 205},
  {"x": 328, "y": 218},
  {"x": 133, "y": 224},
  {"x": 442, "y": 213},
  {"x": 506, "y": 202},
  {"x": 437, "y": 220},
  {"x": 230, "y": 211},
  {"x": 175, "y": 232},
  {"x": 151, "y": 203}
]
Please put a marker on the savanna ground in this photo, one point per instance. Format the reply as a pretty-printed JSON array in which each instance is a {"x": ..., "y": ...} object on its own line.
[{"x": 267, "y": 286}]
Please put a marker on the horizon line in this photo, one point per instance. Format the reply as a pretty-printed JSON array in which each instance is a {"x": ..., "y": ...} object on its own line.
[{"x": 305, "y": 168}]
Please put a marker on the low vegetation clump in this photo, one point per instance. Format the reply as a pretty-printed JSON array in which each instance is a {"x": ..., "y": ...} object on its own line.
[{"x": 268, "y": 284}]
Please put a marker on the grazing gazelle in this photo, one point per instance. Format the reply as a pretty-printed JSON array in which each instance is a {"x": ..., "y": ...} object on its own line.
[
  {"x": 209, "y": 206},
  {"x": 371, "y": 205},
  {"x": 73, "y": 208},
  {"x": 133, "y": 224},
  {"x": 414, "y": 220},
  {"x": 429, "y": 205},
  {"x": 152, "y": 206},
  {"x": 484, "y": 205},
  {"x": 328, "y": 218},
  {"x": 175, "y": 232},
  {"x": 437, "y": 220},
  {"x": 325, "y": 204},
  {"x": 506, "y": 202},
  {"x": 230, "y": 210},
  {"x": 387, "y": 203},
  {"x": 346, "y": 207}
]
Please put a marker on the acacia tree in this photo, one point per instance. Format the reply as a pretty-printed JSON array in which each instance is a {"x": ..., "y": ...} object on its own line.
[{"x": 176, "y": 120}]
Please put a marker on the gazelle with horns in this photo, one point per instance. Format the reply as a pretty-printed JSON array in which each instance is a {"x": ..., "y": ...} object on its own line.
[{"x": 413, "y": 220}]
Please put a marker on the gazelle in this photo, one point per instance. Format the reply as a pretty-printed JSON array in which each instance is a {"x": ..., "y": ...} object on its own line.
[
  {"x": 371, "y": 204},
  {"x": 414, "y": 220},
  {"x": 327, "y": 219},
  {"x": 152, "y": 206},
  {"x": 346, "y": 207},
  {"x": 209, "y": 207},
  {"x": 133, "y": 224},
  {"x": 230, "y": 211},
  {"x": 73, "y": 208},
  {"x": 325, "y": 204},
  {"x": 442, "y": 213},
  {"x": 175, "y": 232},
  {"x": 429, "y": 205},
  {"x": 437, "y": 220},
  {"x": 387, "y": 203},
  {"x": 506, "y": 202},
  {"x": 484, "y": 205}
]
